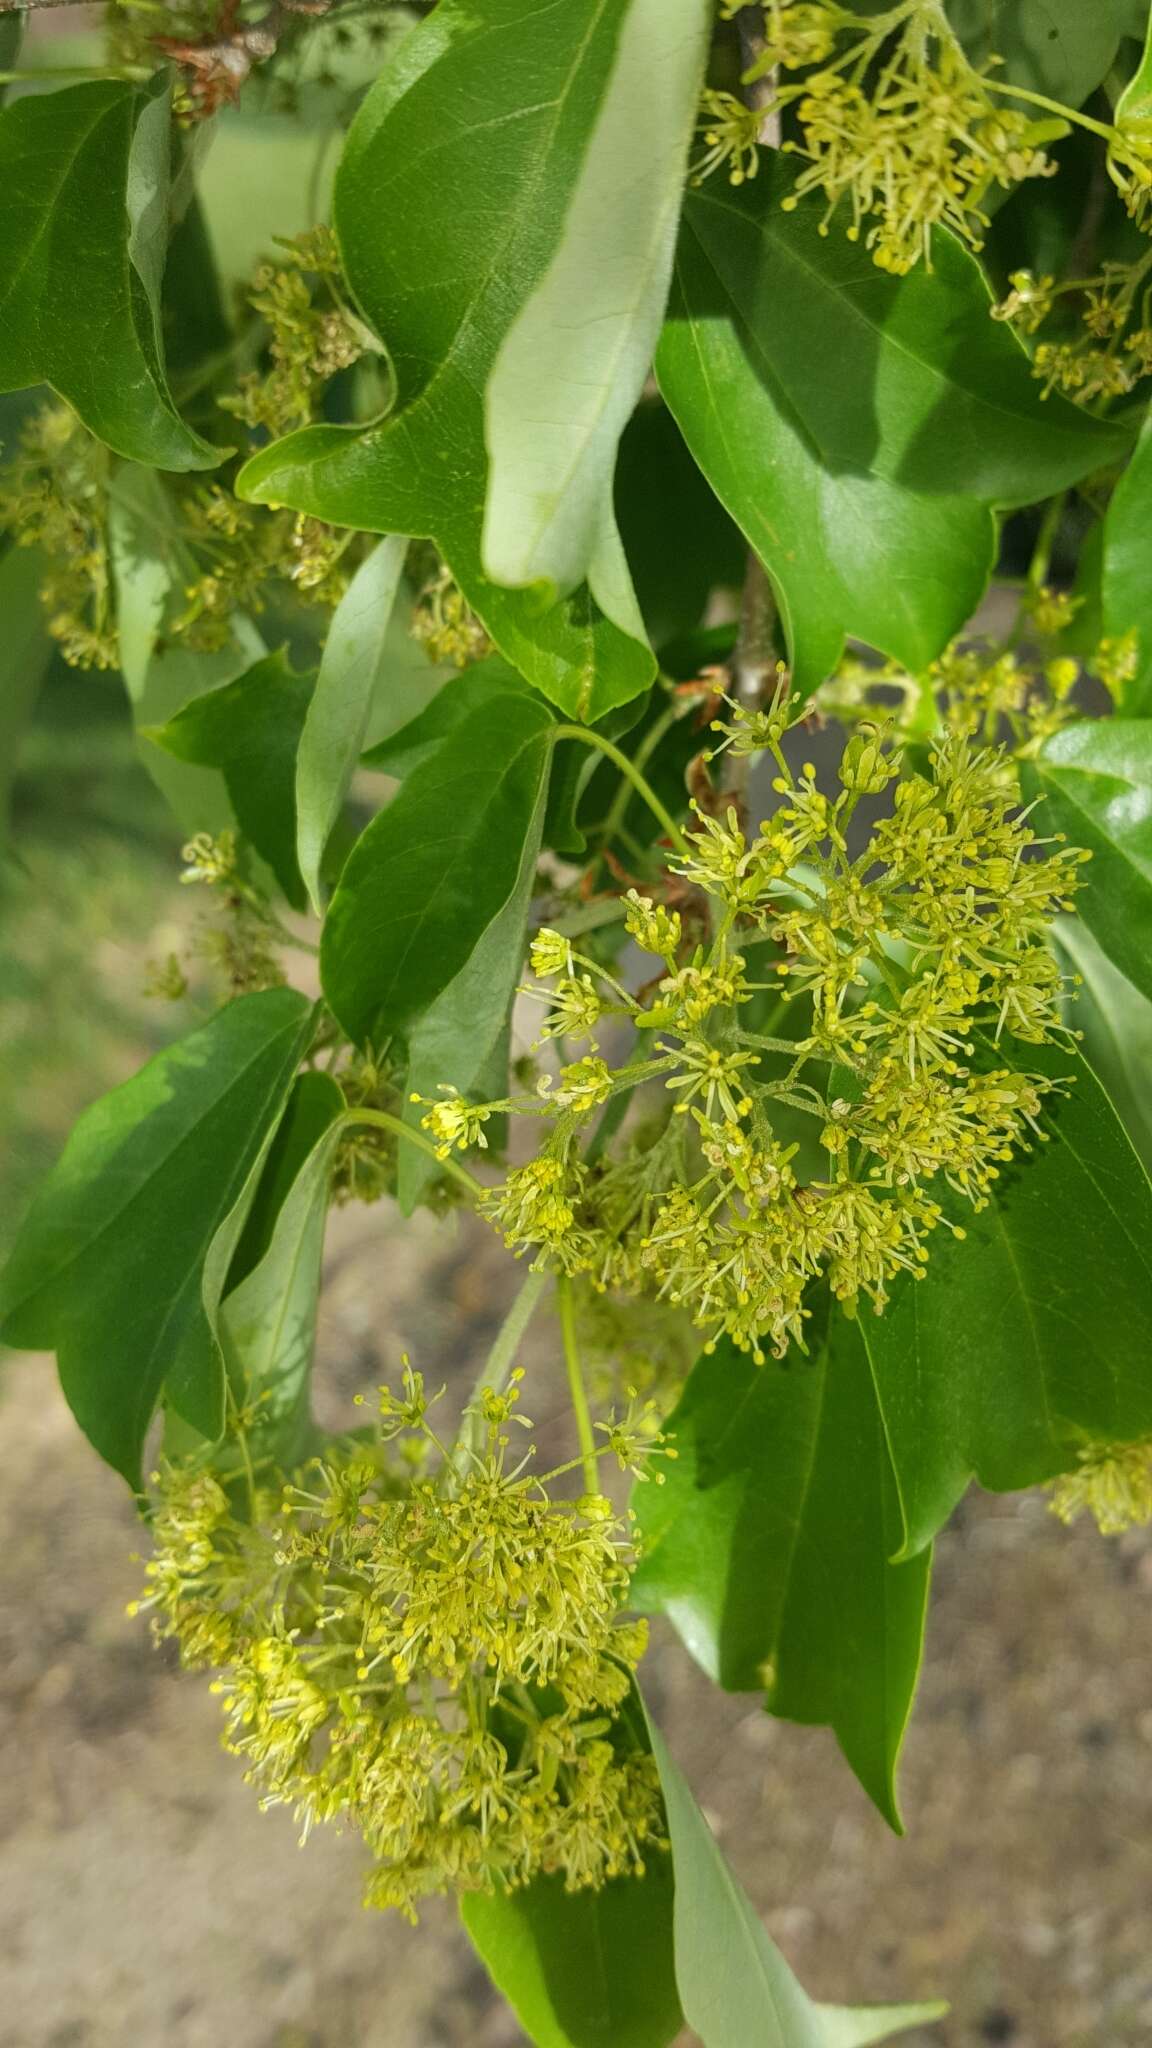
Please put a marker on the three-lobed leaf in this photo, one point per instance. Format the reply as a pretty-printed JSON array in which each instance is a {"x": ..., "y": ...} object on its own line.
[
  {"x": 120, "y": 1263},
  {"x": 769, "y": 1544},
  {"x": 470, "y": 106},
  {"x": 435, "y": 869},
  {"x": 1057, "y": 47},
  {"x": 83, "y": 230}
]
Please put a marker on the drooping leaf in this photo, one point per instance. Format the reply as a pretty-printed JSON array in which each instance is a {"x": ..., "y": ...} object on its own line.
[
  {"x": 336, "y": 720},
  {"x": 465, "y": 1030},
  {"x": 1115, "y": 1024},
  {"x": 1127, "y": 571},
  {"x": 84, "y": 178},
  {"x": 313, "y": 1103},
  {"x": 1096, "y": 777},
  {"x": 429, "y": 876},
  {"x": 768, "y": 1546},
  {"x": 572, "y": 365},
  {"x": 1030, "y": 1336},
  {"x": 25, "y": 651},
  {"x": 109, "y": 1267},
  {"x": 250, "y": 730},
  {"x": 587, "y": 1969},
  {"x": 736, "y": 1989},
  {"x": 1058, "y": 47},
  {"x": 847, "y": 553},
  {"x": 268, "y": 1322},
  {"x": 469, "y": 106},
  {"x": 905, "y": 378}
]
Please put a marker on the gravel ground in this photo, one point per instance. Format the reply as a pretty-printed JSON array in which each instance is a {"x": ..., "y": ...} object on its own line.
[{"x": 144, "y": 1898}]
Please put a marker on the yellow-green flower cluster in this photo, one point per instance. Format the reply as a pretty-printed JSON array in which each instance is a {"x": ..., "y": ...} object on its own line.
[
  {"x": 54, "y": 496},
  {"x": 1108, "y": 350},
  {"x": 1112, "y": 1483},
  {"x": 908, "y": 963},
  {"x": 1017, "y": 690},
  {"x": 895, "y": 123},
  {"x": 430, "y": 1656}
]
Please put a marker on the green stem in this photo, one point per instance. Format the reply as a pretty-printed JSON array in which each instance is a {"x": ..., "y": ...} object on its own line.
[
  {"x": 566, "y": 1309},
  {"x": 644, "y": 753},
  {"x": 386, "y": 1122},
  {"x": 1040, "y": 99},
  {"x": 497, "y": 1366},
  {"x": 621, "y": 761}
]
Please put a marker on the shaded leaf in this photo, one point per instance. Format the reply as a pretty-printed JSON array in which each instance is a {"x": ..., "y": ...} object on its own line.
[
  {"x": 336, "y": 720},
  {"x": 846, "y": 553},
  {"x": 572, "y": 365},
  {"x": 84, "y": 174},
  {"x": 588, "y": 1969},
  {"x": 148, "y": 1177},
  {"x": 470, "y": 105},
  {"x": 1058, "y": 47},
  {"x": 899, "y": 377},
  {"x": 434, "y": 870},
  {"x": 680, "y": 542},
  {"x": 250, "y": 730},
  {"x": 736, "y": 1989},
  {"x": 1030, "y": 1337},
  {"x": 1096, "y": 777},
  {"x": 768, "y": 1546}
]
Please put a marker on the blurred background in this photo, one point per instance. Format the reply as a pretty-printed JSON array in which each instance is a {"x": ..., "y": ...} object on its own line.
[{"x": 143, "y": 1897}]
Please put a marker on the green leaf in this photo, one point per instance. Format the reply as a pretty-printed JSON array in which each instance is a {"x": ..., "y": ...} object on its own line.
[
  {"x": 1096, "y": 777},
  {"x": 735, "y": 1987},
  {"x": 25, "y": 651},
  {"x": 430, "y": 874},
  {"x": 411, "y": 745},
  {"x": 268, "y": 1323},
  {"x": 572, "y": 365},
  {"x": 846, "y": 553},
  {"x": 1030, "y": 1337},
  {"x": 84, "y": 178},
  {"x": 109, "y": 1267},
  {"x": 906, "y": 378},
  {"x": 465, "y": 1030},
  {"x": 588, "y": 1969},
  {"x": 472, "y": 104},
  {"x": 1115, "y": 1025},
  {"x": 351, "y": 666},
  {"x": 768, "y": 1546},
  {"x": 250, "y": 730},
  {"x": 1058, "y": 47},
  {"x": 1127, "y": 572},
  {"x": 314, "y": 1101}
]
